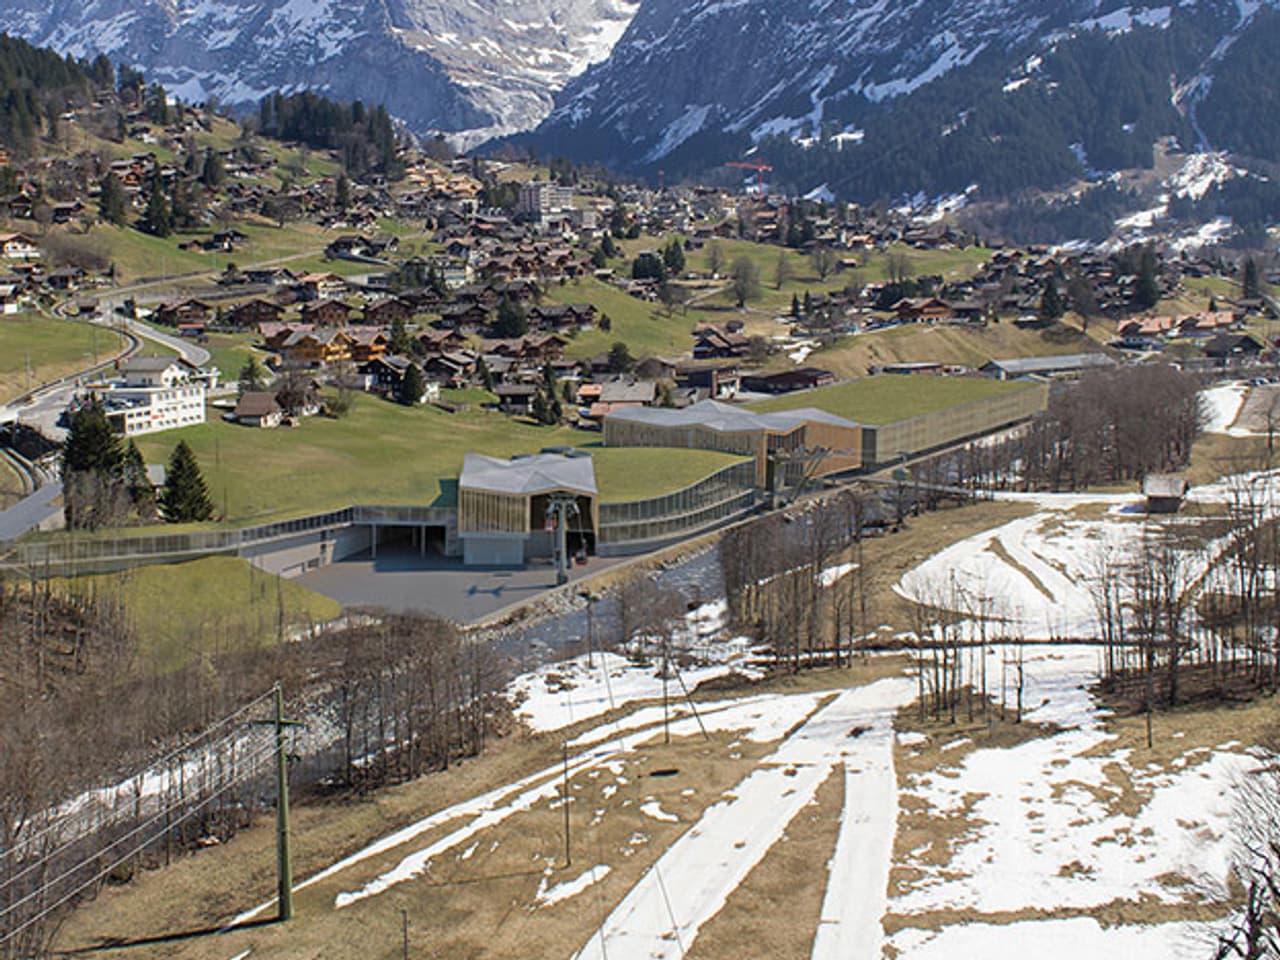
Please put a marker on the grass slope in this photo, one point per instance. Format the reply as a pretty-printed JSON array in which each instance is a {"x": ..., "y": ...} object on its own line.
[
  {"x": 138, "y": 255},
  {"x": 180, "y": 611},
  {"x": 962, "y": 345},
  {"x": 380, "y": 453},
  {"x": 889, "y": 398},
  {"x": 10, "y": 485},
  {"x": 384, "y": 453},
  {"x": 230, "y": 352},
  {"x": 53, "y": 348},
  {"x": 644, "y": 327},
  {"x": 638, "y": 473},
  {"x": 649, "y": 331}
]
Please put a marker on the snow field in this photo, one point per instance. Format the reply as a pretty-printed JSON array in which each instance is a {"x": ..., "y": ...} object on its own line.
[
  {"x": 661, "y": 915},
  {"x": 1221, "y": 406},
  {"x": 1052, "y": 940},
  {"x": 561, "y": 694}
]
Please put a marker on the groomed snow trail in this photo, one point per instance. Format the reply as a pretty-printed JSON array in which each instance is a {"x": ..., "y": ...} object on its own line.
[
  {"x": 661, "y": 915},
  {"x": 857, "y": 890}
]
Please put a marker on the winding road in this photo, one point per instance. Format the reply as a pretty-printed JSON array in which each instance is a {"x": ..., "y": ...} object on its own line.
[{"x": 42, "y": 407}]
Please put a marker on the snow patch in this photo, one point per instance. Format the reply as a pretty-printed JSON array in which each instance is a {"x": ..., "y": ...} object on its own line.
[{"x": 571, "y": 888}]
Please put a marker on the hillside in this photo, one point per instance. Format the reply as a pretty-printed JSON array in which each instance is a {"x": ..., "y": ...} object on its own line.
[
  {"x": 479, "y": 68},
  {"x": 926, "y": 101}
]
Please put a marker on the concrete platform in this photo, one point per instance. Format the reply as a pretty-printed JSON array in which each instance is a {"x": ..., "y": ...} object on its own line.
[{"x": 402, "y": 581}]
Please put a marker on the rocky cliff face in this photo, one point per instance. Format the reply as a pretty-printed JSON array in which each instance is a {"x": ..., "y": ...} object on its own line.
[
  {"x": 762, "y": 66},
  {"x": 940, "y": 88},
  {"x": 477, "y": 69}
]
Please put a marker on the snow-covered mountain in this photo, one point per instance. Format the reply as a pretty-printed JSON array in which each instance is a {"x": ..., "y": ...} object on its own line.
[
  {"x": 763, "y": 66},
  {"x": 479, "y": 67},
  {"x": 877, "y": 97}
]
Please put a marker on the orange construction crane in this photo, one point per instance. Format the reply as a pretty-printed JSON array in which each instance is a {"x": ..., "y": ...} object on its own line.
[{"x": 755, "y": 165}]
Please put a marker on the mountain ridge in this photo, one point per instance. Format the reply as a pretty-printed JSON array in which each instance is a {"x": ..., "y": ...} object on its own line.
[{"x": 478, "y": 70}]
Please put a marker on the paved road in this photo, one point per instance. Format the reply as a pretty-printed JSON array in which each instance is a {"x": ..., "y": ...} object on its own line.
[
  {"x": 183, "y": 347},
  {"x": 42, "y": 408},
  {"x": 25, "y": 515}
]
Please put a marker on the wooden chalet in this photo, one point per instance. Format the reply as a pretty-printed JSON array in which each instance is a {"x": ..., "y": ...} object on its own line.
[
  {"x": 258, "y": 408},
  {"x": 270, "y": 276},
  {"x": 387, "y": 311},
  {"x": 562, "y": 316},
  {"x": 923, "y": 309},
  {"x": 322, "y": 286},
  {"x": 1233, "y": 348},
  {"x": 387, "y": 372},
  {"x": 787, "y": 381},
  {"x": 326, "y": 313},
  {"x": 18, "y": 246},
  {"x": 252, "y": 313},
  {"x": 442, "y": 341},
  {"x": 367, "y": 343},
  {"x": 469, "y": 317},
  {"x": 315, "y": 348},
  {"x": 712, "y": 341},
  {"x": 182, "y": 313}
]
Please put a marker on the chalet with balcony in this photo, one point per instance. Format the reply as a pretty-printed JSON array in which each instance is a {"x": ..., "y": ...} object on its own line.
[{"x": 326, "y": 313}]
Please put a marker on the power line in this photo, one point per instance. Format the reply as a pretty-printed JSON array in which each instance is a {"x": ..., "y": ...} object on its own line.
[
  {"x": 159, "y": 761},
  {"x": 239, "y": 781},
  {"x": 251, "y": 762},
  {"x": 88, "y": 830}
]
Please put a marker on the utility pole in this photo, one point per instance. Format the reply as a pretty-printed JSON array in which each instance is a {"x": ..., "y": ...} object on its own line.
[
  {"x": 284, "y": 860},
  {"x": 564, "y": 753},
  {"x": 590, "y": 598},
  {"x": 666, "y": 703}
]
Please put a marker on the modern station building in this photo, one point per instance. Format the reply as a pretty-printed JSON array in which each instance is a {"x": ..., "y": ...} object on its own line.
[
  {"x": 503, "y": 506},
  {"x": 768, "y": 438}
]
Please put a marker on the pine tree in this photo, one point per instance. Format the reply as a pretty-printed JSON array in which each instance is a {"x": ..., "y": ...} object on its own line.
[
  {"x": 540, "y": 408},
  {"x": 673, "y": 258},
  {"x": 157, "y": 220},
  {"x": 215, "y": 171},
  {"x": 555, "y": 410},
  {"x": 251, "y": 377},
  {"x": 485, "y": 374},
  {"x": 342, "y": 193},
  {"x": 620, "y": 359},
  {"x": 413, "y": 387},
  {"x": 795, "y": 306},
  {"x": 185, "y": 498},
  {"x": 1146, "y": 292},
  {"x": 136, "y": 479},
  {"x": 111, "y": 202},
  {"x": 1051, "y": 305},
  {"x": 649, "y": 266},
  {"x": 546, "y": 408},
  {"x": 92, "y": 466},
  {"x": 1249, "y": 285},
  {"x": 511, "y": 320},
  {"x": 400, "y": 342},
  {"x": 91, "y": 445},
  {"x": 184, "y": 213}
]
